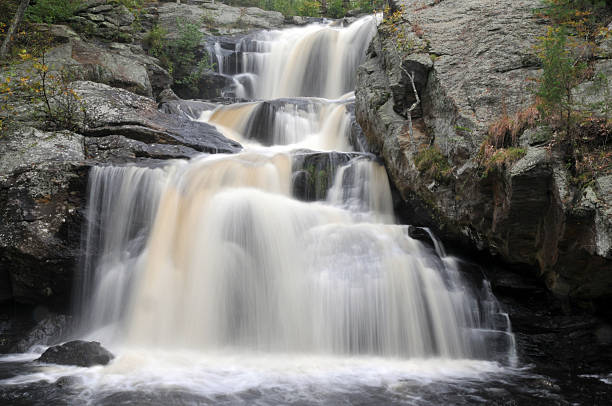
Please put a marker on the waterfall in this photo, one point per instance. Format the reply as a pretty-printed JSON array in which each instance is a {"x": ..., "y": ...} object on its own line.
[
  {"x": 318, "y": 60},
  {"x": 288, "y": 247}
]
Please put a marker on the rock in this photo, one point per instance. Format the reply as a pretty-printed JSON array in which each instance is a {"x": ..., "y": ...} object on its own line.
[
  {"x": 313, "y": 172},
  {"x": 167, "y": 95},
  {"x": 117, "y": 149},
  {"x": 594, "y": 95},
  {"x": 79, "y": 353},
  {"x": 209, "y": 86},
  {"x": 535, "y": 136},
  {"x": 119, "y": 112},
  {"x": 114, "y": 64},
  {"x": 472, "y": 61},
  {"x": 48, "y": 331},
  {"x": 216, "y": 18},
  {"x": 112, "y": 68},
  {"x": 42, "y": 187},
  {"x": 119, "y": 16},
  {"x": 59, "y": 33},
  {"x": 190, "y": 109}
]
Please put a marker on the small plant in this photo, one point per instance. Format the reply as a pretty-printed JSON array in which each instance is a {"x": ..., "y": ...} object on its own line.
[
  {"x": 430, "y": 161},
  {"x": 500, "y": 159},
  {"x": 155, "y": 41},
  {"x": 182, "y": 57},
  {"x": 52, "y": 11},
  {"x": 62, "y": 107}
]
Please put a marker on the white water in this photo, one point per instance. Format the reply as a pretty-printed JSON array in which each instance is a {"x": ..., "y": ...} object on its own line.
[
  {"x": 316, "y": 60},
  {"x": 209, "y": 276}
]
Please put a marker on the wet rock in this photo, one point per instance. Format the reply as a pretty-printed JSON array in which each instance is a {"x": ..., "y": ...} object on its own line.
[
  {"x": 119, "y": 112},
  {"x": 47, "y": 331},
  {"x": 191, "y": 109},
  {"x": 117, "y": 149},
  {"x": 79, "y": 353},
  {"x": 209, "y": 86},
  {"x": 313, "y": 172}
]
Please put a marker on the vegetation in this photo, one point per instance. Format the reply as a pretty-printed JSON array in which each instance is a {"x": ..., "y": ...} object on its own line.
[
  {"x": 60, "y": 106},
  {"x": 52, "y": 11},
  {"x": 180, "y": 56},
  {"x": 431, "y": 162},
  {"x": 312, "y": 8},
  {"x": 567, "y": 52}
]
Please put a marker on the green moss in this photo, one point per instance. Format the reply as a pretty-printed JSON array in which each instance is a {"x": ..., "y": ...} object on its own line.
[
  {"x": 501, "y": 159},
  {"x": 430, "y": 161}
]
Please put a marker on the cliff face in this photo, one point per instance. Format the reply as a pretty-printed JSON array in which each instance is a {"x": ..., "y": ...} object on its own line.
[{"x": 473, "y": 62}]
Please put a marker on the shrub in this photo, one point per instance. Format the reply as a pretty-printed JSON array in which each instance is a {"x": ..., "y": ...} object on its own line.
[
  {"x": 62, "y": 108},
  {"x": 52, "y": 11},
  {"x": 182, "y": 57},
  {"x": 309, "y": 8},
  {"x": 155, "y": 41}
]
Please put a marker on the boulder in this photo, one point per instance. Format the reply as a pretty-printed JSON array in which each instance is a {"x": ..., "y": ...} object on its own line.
[
  {"x": 114, "y": 111},
  {"x": 314, "y": 172},
  {"x": 43, "y": 180},
  {"x": 216, "y": 18},
  {"x": 116, "y": 149},
  {"x": 79, "y": 353}
]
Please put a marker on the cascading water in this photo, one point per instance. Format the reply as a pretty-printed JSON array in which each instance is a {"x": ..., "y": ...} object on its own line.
[
  {"x": 318, "y": 60},
  {"x": 212, "y": 277}
]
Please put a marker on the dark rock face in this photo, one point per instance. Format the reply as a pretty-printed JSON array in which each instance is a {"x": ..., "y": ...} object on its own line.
[
  {"x": 116, "y": 149},
  {"x": 472, "y": 60},
  {"x": 79, "y": 353},
  {"x": 313, "y": 172},
  {"x": 42, "y": 188},
  {"x": 209, "y": 86},
  {"x": 47, "y": 331}
]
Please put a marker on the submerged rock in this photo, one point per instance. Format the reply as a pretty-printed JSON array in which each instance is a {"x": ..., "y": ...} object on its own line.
[{"x": 79, "y": 353}]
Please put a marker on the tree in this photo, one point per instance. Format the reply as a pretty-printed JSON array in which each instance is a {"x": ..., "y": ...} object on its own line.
[{"x": 14, "y": 24}]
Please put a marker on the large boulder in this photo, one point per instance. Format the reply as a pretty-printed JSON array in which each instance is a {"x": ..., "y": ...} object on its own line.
[
  {"x": 79, "y": 353},
  {"x": 113, "y": 111},
  {"x": 42, "y": 189},
  {"x": 216, "y": 18},
  {"x": 473, "y": 61}
]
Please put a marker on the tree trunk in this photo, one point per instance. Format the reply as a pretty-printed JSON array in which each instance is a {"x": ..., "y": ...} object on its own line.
[
  {"x": 11, "y": 31},
  {"x": 323, "y": 7}
]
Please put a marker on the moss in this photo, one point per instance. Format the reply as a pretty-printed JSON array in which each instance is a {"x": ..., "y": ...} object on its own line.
[
  {"x": 431, "y": 162},
  {"x": 501, "y": 159}
]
